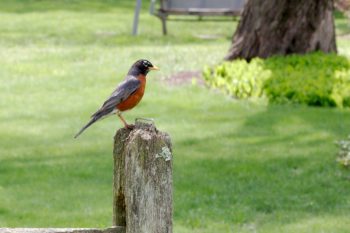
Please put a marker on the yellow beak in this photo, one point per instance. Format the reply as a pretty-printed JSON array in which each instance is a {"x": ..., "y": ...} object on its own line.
[{"x": 154, "y": 68}]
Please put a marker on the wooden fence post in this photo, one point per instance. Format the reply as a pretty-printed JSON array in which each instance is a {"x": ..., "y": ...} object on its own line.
[{"x": 142, "y": 180}]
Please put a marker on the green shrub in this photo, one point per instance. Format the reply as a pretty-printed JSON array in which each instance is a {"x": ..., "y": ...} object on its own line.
[
  {"x": 239, "y": 78},
  {"x": 315, "y": 79}
]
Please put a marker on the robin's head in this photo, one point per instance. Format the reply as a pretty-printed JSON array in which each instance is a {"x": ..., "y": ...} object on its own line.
[{"x": 142, "y": 67}]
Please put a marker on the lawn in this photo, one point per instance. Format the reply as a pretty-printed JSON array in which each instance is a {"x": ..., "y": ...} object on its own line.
[{"x": 239, "y": 166}]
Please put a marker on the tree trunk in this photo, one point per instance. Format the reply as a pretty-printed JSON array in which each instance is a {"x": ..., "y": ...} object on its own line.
[
  {"x": 143, "y": 180},
  {"x": 281, "y": 27}
]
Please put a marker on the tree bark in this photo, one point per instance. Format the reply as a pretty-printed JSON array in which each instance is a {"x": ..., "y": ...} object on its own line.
[
  {"x": 143, "y": 180},
  {"x": 281, "y": 27}
]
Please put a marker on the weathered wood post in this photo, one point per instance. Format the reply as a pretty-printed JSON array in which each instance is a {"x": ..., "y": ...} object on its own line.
[{"x": 142, "y": 180}]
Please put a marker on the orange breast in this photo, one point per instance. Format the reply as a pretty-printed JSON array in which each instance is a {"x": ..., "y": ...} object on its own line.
[{"x": 134, "y": 98}]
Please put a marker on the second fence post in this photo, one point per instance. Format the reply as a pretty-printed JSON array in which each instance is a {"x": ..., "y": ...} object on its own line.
[{"x": 142, "y": 180}]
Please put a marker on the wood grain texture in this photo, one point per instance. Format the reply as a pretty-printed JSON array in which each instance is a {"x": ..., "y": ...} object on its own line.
[{"x": 143, "y": 180}]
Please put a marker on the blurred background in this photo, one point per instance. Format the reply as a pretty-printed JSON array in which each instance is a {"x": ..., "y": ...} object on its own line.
[{"x": 254, "y": 142}]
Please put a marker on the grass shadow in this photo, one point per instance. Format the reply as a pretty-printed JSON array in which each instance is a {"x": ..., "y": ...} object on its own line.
[{"x": 278, "y": 167}]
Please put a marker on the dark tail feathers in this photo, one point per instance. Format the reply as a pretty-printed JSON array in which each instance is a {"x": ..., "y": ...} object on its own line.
[{"x": 93, "y": 120}]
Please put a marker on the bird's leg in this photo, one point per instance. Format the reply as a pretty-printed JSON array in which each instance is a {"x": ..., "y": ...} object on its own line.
[{"x": 124, "y": 122}]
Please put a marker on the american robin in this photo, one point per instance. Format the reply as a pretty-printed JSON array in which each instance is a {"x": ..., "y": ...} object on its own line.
[{"x": 126, "y": 96}]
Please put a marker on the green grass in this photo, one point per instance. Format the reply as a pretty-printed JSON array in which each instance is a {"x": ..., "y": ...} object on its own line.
[{"x": 238, "y": 166}]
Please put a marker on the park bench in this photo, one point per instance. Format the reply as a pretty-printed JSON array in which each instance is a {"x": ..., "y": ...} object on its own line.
[{"x": 197, "y": 8}]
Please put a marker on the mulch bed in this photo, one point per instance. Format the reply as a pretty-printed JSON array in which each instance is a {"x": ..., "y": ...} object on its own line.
[{"x": 185, "y": 78}]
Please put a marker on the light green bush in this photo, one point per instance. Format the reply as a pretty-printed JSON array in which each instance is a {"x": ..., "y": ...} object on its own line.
[
  {"x": 239, "y": 78},
  {"x": 315, "y": 79}
]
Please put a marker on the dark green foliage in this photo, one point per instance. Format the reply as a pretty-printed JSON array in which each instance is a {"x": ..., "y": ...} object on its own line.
[
  {"x": 315, "y": 79},
  {"x": 346, "y": 101}
]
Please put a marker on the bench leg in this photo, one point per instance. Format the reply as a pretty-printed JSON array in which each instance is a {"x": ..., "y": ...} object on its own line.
[{"x": 163, "y": 19}]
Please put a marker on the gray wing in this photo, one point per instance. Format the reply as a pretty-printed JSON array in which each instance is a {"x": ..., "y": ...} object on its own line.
[{"x": 122, "y": 92}]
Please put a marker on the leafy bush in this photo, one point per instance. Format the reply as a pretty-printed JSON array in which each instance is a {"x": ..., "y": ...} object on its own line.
[
  {"x": 315, "y": 79},
  {"x": 239, "y": 78}
]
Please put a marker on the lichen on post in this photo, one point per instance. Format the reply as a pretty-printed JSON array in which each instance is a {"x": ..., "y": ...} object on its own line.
[{"x": 142, "y": 180}]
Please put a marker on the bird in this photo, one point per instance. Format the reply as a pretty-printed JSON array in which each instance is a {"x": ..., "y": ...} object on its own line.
[{"x": 126, "y": 96}]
